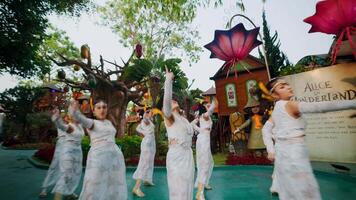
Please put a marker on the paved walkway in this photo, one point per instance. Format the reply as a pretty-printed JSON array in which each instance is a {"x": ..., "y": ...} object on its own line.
[{"x": 20, "y": 180}]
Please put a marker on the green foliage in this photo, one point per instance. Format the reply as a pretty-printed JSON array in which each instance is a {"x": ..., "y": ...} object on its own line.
[
  {"x": 130, "y": 145},
  {"x": 19, "y": 100},
  {"x": 162, "y": 27},
  {"x": 39, "y": 120},
  {"x": 138, "y": 70},
  {"x": 275, "y": 57},
  {"x": 292, "y": 69},
  {"x": 23, "y": 29},
  {"x": 85, "y": 143},
  {"x": 162, "y": 148}
]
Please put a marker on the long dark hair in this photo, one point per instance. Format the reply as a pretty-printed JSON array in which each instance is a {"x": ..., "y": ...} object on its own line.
[
  {"x": 98, "y": 100},
  {"x": 201, "y": 109}
]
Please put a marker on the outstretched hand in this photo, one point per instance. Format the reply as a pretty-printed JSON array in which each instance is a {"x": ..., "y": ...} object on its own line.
[
  {"x": 169, "y": 74},
  {"x": 73, "y": 106},
  {"x": 55, "y": 114}
]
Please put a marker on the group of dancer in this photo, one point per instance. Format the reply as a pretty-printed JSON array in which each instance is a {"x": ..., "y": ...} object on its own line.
[{"x": 105, "y": 173}]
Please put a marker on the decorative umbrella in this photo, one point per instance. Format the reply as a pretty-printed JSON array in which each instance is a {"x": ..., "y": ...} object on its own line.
[
  {"x": 234, "y": 45},
  {"x": 337, "y": 17}
]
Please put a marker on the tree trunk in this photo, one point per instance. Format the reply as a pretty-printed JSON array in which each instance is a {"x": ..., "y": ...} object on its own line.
[{"x": 117, "y": 105}]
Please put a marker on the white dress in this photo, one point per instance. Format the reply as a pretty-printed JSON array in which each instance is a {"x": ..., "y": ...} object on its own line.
[
  {"x": 105, "y": 177},
  {"x": 205, "y": 162},
  {"x": 293, "y": 171},
  {"x": 180, "y": 162},
  {"x": 70, "y": 162},
  {"x": 145, "y": 166},
  {"x": 53, "y": 172}
]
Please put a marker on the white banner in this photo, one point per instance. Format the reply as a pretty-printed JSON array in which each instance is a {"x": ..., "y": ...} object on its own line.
[{"x": 330, "y": 136}]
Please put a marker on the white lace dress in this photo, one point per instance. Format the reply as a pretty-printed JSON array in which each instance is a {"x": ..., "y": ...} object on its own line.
[
  {"x": 53, "y": 172},
  {"x": 70, "y": 162},
  {"x": 205, "y": 162},
  {"x": 145, "y": 166},
  {"x": 180, "y": 162},
  {"x": 105, "y": 177},
  {"x": 293, "y": 171}
]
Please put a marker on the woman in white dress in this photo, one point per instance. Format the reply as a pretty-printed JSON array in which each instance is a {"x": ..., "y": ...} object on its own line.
[
  {"x": 66, "y": 168},
  {"x": 205, "y": 162},
  {"x": 293, "y": 172},
  {"x": 144, "y": 171},
  {"x": 180, "y": 163},
  {"x": 104, "y": 177}
]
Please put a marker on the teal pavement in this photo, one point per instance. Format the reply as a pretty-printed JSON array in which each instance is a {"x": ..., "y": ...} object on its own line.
[{"x": 20, "y": 180}]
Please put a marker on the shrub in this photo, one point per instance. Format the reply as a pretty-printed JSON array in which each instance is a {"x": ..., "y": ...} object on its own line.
[
  {"x": 129, "y": 145},
  {"x": 247, "y": 159}
]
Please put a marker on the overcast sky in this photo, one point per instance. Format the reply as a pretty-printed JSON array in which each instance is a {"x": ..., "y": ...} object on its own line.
[{"x": 285, "y": 16}]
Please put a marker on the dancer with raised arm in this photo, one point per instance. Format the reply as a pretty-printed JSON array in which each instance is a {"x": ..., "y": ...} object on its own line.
[
  {"x": 180, "y": 162},
  {"x": 144, "y": 171},
  {"x": 205, "y": 162},
  {"x": 105, "y": 173},
  {"x": 66, "y": 168},
  {"x": 293, "y": 172}
]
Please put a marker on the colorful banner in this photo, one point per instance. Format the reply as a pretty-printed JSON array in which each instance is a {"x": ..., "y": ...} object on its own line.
[
  {"x": 330, "y": 136},
  {"x": 251, "y": 87},
  {"x": 231, "y": 96}
]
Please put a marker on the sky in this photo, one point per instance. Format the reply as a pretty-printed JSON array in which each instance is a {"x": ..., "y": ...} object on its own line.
[{"x": 285, "y": 16}]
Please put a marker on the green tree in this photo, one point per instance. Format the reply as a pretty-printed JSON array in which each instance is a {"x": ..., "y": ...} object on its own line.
[
  {"x": 275, "y": 57},
  {"x": 23, "y": 27},
  {"x": 19, "y": 102},
  {"x": 127, "y": 82},
  {"x": 162, "y": 27},
  {"x": 55, "y": 45}
]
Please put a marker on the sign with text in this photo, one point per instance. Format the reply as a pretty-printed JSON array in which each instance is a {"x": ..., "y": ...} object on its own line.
[{"x": 330, "y": 136}]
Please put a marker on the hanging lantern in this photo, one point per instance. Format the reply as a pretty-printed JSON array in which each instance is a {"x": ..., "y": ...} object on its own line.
[
  {"x": 146, "y": 95},
  {"x": 84, "y": 51},
  {"x": 61, "y": 74},
  {"x": 66, "y": 89},
  {"x": 336, "y": 17},
  {"x": 233, "y": 45},
  {"x": 92, "y": 82},
  {"x": 138, "y": 50},
  {"x": 76, "y": 67}
]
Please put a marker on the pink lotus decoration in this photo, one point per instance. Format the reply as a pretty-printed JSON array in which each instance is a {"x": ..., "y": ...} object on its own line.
[
  {"x": 335, "y": 17},
  {"x": 233, "y": 45}
]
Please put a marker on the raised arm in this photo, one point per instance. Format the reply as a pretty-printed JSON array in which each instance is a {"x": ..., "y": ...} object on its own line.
[
  {"x": 77, "y": 115},
  {"x": 194, "y": 124},
  {"x": 167, "y": 98},
  {"x": 56, "y": 118},
  {"x": 210, "y": 110},
  {"x": 298, "y": 108}
]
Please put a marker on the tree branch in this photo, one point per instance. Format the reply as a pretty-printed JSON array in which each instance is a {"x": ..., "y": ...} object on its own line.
[
  {"x": 85, "y": 68},
  {"x": 114, "y": 72},
  {"x": 137, "y": 83},
  {"x": 116, "y": 65},
  {"x": 74, "y": 84}
]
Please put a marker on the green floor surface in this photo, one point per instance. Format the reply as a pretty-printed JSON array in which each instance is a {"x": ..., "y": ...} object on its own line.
[{"x": 19, "y": 180}]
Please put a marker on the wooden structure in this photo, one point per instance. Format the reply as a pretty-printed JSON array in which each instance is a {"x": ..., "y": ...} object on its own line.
[{"x": 231, "y": 92}]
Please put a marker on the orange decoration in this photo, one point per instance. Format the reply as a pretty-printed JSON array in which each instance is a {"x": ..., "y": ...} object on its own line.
[{"x": 257, "y": 119}]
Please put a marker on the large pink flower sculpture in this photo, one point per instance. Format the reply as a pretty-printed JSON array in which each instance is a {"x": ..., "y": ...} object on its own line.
[
  {"x": 336, "y": 17},
  {"x": 233, "y": 45}
]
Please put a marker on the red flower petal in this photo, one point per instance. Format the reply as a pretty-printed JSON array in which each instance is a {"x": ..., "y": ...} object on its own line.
[{"x": 332, "y": 16}]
